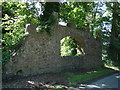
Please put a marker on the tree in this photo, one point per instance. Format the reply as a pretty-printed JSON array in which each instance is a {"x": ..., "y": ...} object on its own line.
[
  {"x": 114, "y": 47},
  {"x": 76, "y": 12},
  {"x": 15, "y": 16}
]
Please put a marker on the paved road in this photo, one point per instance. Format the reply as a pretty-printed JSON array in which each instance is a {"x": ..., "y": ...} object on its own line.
[{"x": 112, "y": 81}]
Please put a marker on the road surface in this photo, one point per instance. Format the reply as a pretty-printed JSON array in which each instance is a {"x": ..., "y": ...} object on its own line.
[{"x": 112, "y": 81}]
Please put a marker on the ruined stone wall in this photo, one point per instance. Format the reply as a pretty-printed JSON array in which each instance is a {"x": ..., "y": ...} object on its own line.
[{"x": 41, "y": 52}]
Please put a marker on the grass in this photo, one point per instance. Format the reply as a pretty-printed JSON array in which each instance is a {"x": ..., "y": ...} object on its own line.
[{"x": 77, "y": 78}]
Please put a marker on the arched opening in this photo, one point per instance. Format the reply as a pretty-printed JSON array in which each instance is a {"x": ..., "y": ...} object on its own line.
[{"x": 69, "y": 46}]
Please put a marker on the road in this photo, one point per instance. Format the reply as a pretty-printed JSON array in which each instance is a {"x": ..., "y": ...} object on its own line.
[{"x": 112, "y": 81}]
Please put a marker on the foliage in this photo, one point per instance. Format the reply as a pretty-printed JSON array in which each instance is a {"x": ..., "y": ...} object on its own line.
[
  {"x": 114, "y": 45},
  {"x": 15, "y": 16},
  {"x": 47, "y": 19},
  {"x": 14, "y": 24},
  {"x": 96, "y": 17},
  {"x": 45, "y": 26},
  {"x": 75, "y": 12},
  {"x": 68, "y": 46},
  {"x": 6, "y": 57}
]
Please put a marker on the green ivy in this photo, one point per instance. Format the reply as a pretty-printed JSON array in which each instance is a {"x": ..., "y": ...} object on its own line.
[{"x": 5, "y": 57}]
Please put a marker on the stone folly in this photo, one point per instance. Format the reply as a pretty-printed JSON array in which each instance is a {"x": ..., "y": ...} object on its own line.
[{"x": 40, "y": 53}]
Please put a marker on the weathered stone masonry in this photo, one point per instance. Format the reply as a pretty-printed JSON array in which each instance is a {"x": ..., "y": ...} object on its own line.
[{"x": 41, "y": 52}]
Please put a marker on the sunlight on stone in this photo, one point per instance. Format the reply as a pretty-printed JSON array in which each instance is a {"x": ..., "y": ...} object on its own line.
[
  {"x": 62, "y": 23},
  {"x": 31, "y": 82},
  {"x": 93, "y": 86}
]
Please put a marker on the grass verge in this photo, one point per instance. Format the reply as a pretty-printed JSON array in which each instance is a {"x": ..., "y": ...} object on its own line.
[{"x": 73, "y": 79}]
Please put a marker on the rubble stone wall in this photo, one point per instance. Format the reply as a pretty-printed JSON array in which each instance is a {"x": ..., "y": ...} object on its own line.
[{"x": 40, "y": 53}]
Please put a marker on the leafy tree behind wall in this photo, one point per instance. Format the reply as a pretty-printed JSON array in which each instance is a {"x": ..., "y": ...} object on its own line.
[
  {"x": 68, "y": 46},
  {"x": 86, "y": 15},
  {"x": 75, "y": 12},
  {"x": 15, "y": 16}
]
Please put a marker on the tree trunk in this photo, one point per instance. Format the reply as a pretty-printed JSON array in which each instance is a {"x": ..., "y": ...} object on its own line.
[{"x": 114, "y": 34}]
